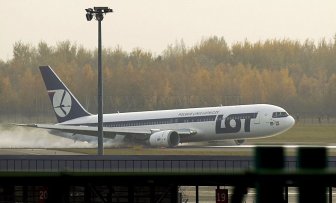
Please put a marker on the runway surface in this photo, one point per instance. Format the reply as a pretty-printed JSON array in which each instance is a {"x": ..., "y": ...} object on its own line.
[
  {"x": 18, "y": 151},
  {"x": 247, "y": 149}
]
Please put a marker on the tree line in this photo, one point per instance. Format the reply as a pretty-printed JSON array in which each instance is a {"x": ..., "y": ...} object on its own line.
[{"x": 299, "y": 76}]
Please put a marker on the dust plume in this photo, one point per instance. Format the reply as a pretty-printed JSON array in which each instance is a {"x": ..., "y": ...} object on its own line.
[{"x": 24, "y": 137}]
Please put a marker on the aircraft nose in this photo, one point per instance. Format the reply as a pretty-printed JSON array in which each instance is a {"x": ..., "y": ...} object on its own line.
[
  {"x": 291, "y": 121},
  {"x": 286, "y": 124}
]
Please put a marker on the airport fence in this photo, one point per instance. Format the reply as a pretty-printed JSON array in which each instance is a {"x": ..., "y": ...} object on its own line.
[
  {"x": 120, "y": 164},
  {"x": 52, "y": 164},
  {"x": 269, "y": 171}
]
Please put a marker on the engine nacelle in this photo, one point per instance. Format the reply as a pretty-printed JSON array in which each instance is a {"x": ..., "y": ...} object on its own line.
[{"x": 166, "y": 138}]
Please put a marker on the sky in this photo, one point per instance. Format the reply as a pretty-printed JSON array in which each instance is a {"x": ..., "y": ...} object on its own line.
[{"x": 152, "y": 25}]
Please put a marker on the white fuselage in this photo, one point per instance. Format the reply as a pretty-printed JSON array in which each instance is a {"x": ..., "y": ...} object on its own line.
[
  {"x": 209, "y": 123},
  {"x": 165, "y": 128}
]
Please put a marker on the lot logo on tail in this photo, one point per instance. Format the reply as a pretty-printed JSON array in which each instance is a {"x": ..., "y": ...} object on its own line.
[{"x": 61, "y": 101}]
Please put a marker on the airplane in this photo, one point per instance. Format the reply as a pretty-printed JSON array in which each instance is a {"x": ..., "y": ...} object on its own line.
[{"x": 163, "y": 128}]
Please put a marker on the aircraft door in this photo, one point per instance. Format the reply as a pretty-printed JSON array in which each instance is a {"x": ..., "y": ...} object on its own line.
[{"x": 257, "y": 120}]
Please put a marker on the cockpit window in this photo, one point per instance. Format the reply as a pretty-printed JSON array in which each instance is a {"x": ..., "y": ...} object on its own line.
[{"x": 279, "y": 114}]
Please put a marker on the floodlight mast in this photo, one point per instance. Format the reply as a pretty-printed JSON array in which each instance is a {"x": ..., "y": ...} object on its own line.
[{"x": 98, "y": 13}]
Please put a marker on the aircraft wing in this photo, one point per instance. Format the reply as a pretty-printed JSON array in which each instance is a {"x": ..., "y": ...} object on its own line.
[{"x": 108, "y": 131}]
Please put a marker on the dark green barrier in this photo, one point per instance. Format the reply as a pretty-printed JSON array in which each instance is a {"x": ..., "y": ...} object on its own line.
[
  {"x": 312, "y": 160},
  {"x": 269, "y": 158}
]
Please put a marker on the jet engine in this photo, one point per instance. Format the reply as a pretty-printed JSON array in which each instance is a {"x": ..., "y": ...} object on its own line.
[{"x": 166, "y": 138}]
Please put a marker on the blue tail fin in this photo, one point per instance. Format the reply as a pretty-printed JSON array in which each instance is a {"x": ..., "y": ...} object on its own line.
[{"x": 66, "y": 106}]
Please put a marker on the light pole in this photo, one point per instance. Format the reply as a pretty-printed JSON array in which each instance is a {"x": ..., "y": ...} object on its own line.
[{"x": 98, "y": 13}]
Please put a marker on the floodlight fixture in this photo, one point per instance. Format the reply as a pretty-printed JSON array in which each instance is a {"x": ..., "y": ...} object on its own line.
[
  {"x": 97, "y": 12},
  {"x": 99, "y": 16},
  {"x": 89, "y": 16}
]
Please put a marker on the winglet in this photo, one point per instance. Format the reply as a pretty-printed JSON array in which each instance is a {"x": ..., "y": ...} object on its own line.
[{"x": 66, "y": 106}]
